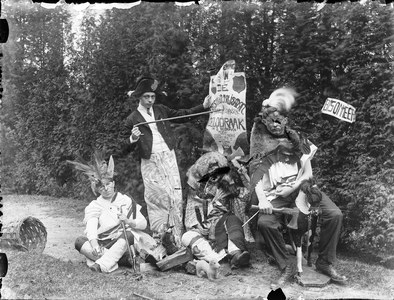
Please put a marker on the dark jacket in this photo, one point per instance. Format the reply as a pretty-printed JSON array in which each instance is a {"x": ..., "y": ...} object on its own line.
[{"x": 160, "y": 111}]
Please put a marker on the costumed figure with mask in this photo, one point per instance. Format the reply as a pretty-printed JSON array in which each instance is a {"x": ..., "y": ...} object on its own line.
[
  {"x": 279, "y": 165},
  {"x": 105, "y": 245},
  {"x": 217, "y": 196}
]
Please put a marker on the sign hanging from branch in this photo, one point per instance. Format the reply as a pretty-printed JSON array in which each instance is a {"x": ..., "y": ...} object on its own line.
[{"x": 339, "y": 109}]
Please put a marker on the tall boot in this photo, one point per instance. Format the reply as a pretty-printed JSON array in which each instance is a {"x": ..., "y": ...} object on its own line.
[
  {"x": 238, "y": 257},
  {"x": 287, "y": 275}
]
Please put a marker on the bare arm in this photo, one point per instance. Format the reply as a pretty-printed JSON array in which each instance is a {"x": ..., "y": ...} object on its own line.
[{"x": 307, "y": 173}]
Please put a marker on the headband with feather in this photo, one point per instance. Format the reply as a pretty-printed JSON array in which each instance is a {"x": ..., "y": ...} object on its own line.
[{"x": 96, "y": 171}]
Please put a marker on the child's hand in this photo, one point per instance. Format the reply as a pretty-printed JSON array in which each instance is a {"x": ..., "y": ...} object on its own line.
[
  {"x": 122, "y": 217},
  {"x": 98, "y": 251}
]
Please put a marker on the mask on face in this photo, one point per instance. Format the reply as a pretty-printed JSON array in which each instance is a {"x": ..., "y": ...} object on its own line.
[
  {"x": 275, "y": 123},
  {"x": 106, "y": 188},
  {"x": 99, "y": 172}
]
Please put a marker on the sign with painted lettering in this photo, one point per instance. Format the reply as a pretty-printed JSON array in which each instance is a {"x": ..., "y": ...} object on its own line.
[
  {"x": 226, "y": 129},
  {"x": 339, "y": 109}
]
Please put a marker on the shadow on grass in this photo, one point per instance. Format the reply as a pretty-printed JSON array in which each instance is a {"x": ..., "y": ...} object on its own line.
[{"x": 34, "y": 276}]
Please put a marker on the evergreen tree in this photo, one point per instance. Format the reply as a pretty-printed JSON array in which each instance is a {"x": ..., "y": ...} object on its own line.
[{"x": 65, "y": 93}]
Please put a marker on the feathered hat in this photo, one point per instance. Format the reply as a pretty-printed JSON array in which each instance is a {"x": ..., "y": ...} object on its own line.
[
  {"x": 282, "y": 99},
  {"x": 208, "y": 164},
  {"x": 97, "y": 170},
  {"x": 145, "y": 85}
]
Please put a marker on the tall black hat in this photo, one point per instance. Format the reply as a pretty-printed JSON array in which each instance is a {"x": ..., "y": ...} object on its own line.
[{"x": 146, "y": 84}]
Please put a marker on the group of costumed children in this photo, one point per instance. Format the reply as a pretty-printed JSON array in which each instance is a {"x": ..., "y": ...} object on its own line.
[{"x": 215, "y": 222}]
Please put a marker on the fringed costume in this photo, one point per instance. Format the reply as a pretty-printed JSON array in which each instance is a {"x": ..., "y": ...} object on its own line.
[{"x": 214, "y": 182}]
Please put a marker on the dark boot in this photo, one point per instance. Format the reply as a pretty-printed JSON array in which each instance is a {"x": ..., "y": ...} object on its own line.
[
  {"x": 95, "y": 268},
  {"x": 126, "y": 261},
  {"x": 327, "y": 269},
  {"x": 239, "y": 259},
  {"x": 287, "y": 274}
]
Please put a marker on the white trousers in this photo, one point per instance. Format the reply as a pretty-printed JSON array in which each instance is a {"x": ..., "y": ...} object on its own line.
[{"x": 109, "y": 260}]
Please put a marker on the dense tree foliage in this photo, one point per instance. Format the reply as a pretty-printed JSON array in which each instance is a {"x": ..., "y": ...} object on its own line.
[
  {"x": 35, "y": 84},
  {"x": 65, "y": 92}
]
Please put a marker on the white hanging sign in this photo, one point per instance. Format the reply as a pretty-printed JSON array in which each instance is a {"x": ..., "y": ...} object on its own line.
[{"x": 339, "y": 109}]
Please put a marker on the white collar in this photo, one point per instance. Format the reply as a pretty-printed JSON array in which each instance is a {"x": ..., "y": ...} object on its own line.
[{"x": 144, "y": 109}]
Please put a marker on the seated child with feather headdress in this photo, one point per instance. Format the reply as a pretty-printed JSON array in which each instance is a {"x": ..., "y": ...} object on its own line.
[{"x": 105, "y": 245}]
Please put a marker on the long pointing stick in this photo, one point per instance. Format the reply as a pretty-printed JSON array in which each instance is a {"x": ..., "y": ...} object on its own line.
[
  {"x": 255, "y": 214},
  {"x": 180, "y": 117}
]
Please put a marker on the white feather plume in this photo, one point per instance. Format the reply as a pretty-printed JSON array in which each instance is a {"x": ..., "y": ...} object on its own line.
[
  {"x": 129, "y": 93},
  {"x": 283, "y": 99}
]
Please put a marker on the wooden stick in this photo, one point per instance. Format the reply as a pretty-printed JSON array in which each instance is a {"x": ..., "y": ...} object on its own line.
[
  {"x": 299, "y": 260},
  {"x": 251, "y": 218},
  {"x": 131, "y": 252},
  {"x": 142, "y": 296},
  {"x": 179, "y": 117},
  {"x": 132, "y": 255}
]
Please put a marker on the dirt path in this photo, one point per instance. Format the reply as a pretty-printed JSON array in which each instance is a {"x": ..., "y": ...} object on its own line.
[{"x": 63, "y": 221}]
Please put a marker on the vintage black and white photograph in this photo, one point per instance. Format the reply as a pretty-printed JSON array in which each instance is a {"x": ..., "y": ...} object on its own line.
[{"x": 197, "y": 150}]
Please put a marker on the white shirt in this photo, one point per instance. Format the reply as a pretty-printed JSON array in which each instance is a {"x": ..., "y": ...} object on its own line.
[
  {"x": 279, "y": 172},
  {"x": 108, "y": 216},
  {"x": 158, "y": 144}
]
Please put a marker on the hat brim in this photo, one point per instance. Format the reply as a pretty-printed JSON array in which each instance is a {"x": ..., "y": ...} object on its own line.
[{"x": 218, "y": 171}]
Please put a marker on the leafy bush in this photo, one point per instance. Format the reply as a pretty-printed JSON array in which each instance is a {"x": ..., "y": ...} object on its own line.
[{"x": 375, "y": 234}]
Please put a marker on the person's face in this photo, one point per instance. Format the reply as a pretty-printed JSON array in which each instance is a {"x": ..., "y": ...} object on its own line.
[
  {"x": 275, "y": 123},
  {"x": 147, "y": 99},
  {"x": 106, "y": 188}
]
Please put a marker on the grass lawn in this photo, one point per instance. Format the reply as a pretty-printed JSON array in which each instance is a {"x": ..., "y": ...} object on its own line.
[
  {"x": 44, "y": 277},
  {"x": 33, "y": 276}
]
